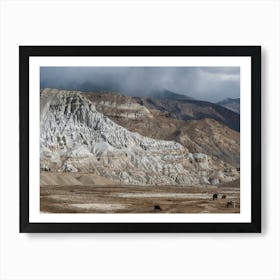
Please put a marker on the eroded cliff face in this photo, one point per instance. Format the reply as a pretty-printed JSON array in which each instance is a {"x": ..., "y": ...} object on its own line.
[{"x": 75, "y": 137}]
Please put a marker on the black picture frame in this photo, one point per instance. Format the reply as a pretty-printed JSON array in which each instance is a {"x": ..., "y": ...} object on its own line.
[{"x": 25, "y": 52}]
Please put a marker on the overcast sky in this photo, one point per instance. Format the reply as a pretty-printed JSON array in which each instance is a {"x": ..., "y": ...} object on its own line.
[{"x": 203, "y": 83}]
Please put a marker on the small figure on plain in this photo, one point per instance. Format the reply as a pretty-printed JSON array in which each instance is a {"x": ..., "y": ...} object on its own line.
[
  {"x": 231, "y": 204},
  {"x": 157, "y": 208},
  {"x": 215, "y": 196},
  {"x": 224, "y": 196}
]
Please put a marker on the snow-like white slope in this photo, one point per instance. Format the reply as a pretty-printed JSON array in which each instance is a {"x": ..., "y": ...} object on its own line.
[{"x": 75, "y": 137}]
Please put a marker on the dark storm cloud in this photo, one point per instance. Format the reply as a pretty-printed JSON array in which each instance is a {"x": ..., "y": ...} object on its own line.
[{"x": 205, "y": 83}]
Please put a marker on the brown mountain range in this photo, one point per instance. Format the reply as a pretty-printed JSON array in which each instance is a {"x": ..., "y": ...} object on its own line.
[{"x": 205, "y": 130}]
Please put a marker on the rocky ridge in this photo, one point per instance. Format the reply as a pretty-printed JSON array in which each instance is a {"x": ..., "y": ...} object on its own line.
[{"x": 193, "y": 110}]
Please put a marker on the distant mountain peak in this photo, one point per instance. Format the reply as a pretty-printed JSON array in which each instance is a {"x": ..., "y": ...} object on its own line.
[
  {"x": 229, "y": 99},
  {"x": 232, "y": 104}
]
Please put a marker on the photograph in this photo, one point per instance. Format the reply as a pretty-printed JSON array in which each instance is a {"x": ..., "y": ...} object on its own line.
[{"x": 139, "y": 139}]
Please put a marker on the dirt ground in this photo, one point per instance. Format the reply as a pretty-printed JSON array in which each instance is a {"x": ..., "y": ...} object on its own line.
[{"x": 139, "y": 199}]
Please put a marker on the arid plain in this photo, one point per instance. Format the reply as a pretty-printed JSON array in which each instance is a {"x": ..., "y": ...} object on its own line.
[{"x": 109, "y": 198}]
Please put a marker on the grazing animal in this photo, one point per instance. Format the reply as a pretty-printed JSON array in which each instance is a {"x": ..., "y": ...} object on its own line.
[
  {"x": 215, "y": 196},
  {"x": 157, "y": 208},
  {"x": 231, "y": 204},
  {"x": 224, "y": 196}
]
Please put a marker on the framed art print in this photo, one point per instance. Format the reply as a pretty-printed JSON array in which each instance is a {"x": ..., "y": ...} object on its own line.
[{"x": 140, "y": 138}]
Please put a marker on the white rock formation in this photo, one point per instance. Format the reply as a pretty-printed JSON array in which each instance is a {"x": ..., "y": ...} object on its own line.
[{"x": 75, "y": 137}]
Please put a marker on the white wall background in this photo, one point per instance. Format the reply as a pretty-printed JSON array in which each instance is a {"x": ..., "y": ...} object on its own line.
[{"x": 139, "y": 256}]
